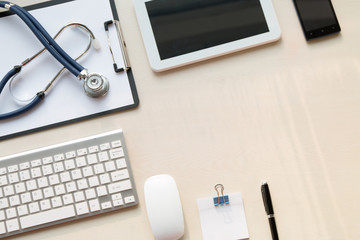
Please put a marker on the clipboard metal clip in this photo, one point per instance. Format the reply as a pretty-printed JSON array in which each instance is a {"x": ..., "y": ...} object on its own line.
[
  {"x": 220, "y": 199},
  {"x": 122, "y": 45}
]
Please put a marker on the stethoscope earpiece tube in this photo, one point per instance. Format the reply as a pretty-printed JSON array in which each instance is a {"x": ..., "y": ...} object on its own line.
[
  {"x": 40, "y": 96},
  {"x": 51, "y": 46},
  {"x": 25, "y": 108}
]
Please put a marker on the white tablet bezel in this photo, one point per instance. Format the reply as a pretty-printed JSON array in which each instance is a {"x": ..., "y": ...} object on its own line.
[{"x": 161, "y": 65}]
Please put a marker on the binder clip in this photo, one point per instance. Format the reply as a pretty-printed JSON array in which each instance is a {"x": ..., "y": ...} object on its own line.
[{"x": 220, "y": 200}]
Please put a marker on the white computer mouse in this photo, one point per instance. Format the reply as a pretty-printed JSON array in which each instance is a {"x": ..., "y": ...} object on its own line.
[{"x": 163, "y": 207}]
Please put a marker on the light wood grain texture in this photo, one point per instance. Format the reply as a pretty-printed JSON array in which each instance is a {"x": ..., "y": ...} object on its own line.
[{"x": 287, "y": 112}]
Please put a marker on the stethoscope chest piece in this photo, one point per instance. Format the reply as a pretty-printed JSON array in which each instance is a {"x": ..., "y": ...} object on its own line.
[{"x": 96, "y": 85}]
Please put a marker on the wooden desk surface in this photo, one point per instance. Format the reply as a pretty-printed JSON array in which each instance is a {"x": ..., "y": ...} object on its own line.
[{"x": 287, "y": 112}]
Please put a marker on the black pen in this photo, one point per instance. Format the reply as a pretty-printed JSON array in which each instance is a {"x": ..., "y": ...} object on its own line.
[{"x": 269, "y": 209}]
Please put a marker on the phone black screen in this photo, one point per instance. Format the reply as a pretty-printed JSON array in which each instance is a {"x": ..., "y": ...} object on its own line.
[{"x": 317, "y": 17}]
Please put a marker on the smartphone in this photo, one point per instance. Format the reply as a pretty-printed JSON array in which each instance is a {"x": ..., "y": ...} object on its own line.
[{"x": 317, "y": 18}]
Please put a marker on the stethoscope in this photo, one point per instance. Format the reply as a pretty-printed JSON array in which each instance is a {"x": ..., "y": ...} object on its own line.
[{"x": 94, "y": 84}]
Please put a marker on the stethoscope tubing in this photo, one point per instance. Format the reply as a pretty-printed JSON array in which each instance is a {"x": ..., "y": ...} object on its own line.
[
  {"x": 39, "y": 96},
  {"x": 47, "y": 41}
]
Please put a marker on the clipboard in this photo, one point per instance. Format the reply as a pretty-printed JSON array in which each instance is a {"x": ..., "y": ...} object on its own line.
[{"x": 66, "y": 102}]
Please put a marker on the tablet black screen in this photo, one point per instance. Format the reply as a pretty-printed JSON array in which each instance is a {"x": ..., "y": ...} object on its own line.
[{"x": 185, "y": 26}]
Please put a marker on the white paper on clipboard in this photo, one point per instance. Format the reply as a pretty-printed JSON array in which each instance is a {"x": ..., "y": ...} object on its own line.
[{"x": 66, "y": 101}]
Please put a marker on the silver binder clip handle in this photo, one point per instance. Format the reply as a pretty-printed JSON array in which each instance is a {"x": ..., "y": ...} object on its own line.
[{"x": 122, "y": 45}]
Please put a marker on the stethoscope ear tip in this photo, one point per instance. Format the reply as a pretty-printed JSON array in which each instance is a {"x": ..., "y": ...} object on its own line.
[{"x": 96, "y": 44}]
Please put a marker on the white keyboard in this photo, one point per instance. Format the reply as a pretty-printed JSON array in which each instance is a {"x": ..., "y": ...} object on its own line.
[{"x": 65, "y": 182}]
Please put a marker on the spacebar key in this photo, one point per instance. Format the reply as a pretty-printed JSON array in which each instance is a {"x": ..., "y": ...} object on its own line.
[{"x": 47, "y": 216}]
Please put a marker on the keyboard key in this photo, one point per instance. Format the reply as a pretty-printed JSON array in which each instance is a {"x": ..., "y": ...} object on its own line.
[
  {"x": 8, "y": 190},
  {"x": 22, "y": 210},
  {"x": 116, "y": 153},
  {"x": 119, "y": 186},
  {"x": 80, "y": 161},
  {"x": 20, "y": 187},
  {"x": 110, "y": 166},
  {"x": 81, "y": 208},
  {"x": 79, "y": 196},
  {"x": 99, "y": 168},
  {"x": 82, "y": 184},
  {"x": 59, "y": 189},
  {"x": 76, "y": 174},
  {"x": 119, "y": 175},
  {"x": 116, "y": 196},
  {"x": 2, "y": 171},
  {"x": 104, "y": 146},
  {"x": 94, "y": 205},
  {"x": 106, "y": 205},
  {"x": 13, "y": 168},
  {"x": 93, "y": 149},
  {"x": 54, "y": 179},
  {"x": 121, "y": 163},
  {"x": 3, "y": 180},
  {"x": 25, "y": 175},
  {"x": 103, "y": 156},
  {"x": 48, "y": 192},
  {"x": 24, "y": 165},
  {"x": 36, "y": 163},
  {"x": 11, "y": 213},
  {"x": 14, "y": 200},
  {"x": 71, "y": 187},
  {"x": 92, "y": 159},
  {"x": 47, "y": 216},
  {"x": 34, "y": 207},
  {"x": 118, "y": 202},
  {"x": 59, "y": 157},
  {"x": 88, "y": 171},
  {"x": 47, "y": 170},
  {"x": 42, "y": 182},
  {"x": 31, "y": 185},
  {"x": 36, "y": 172},
  {"x": 4, "y": 203},
  {"x": 47, "y": 160},
  {"x": 13, "y": 177},
  {"x": 68, "y": 199},
  {"x": 56, "y": 202},
  {"x": 70, "y": 154},
  {"x": 37, "y": 195},
  {"x": 104, "y": 178},
  {"x": 45, "y": 204},
  {"x": 81, "y": 152},
  {"x": 2, "y": 228},
  {"x": 58, "y": 167},
  {"x": 129, "y": 199},
  {"x": 25, "y": 198},
  {"x": 65, "y": 177},
  {"x": 69, "y": 164},
  {"x": 90, "y": 193},
  {"x": 116, "y": 144},
  {"x": 12, "y": 225},
  {"x": 94, "y": 181},
  {"x": 101, "y": 191}
]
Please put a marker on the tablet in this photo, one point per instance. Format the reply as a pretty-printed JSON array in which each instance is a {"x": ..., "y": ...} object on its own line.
[{"x": 180, "y": 32}]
